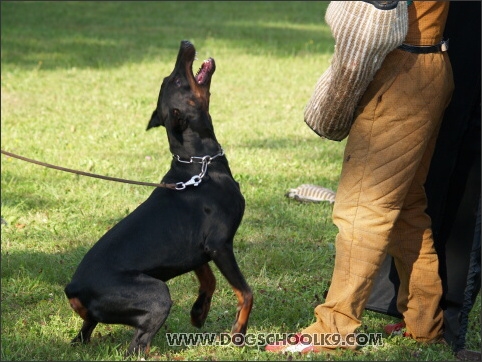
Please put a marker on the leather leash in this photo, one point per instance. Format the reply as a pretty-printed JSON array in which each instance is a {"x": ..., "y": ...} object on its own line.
[{"x": 165, "y": 185}]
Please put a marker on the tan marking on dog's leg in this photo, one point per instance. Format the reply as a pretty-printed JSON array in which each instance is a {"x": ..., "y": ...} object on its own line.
[
  {"x": 78, "y": 307},
  {"x": 207, "y": 286},
  {"x": 245, "y": 303}
]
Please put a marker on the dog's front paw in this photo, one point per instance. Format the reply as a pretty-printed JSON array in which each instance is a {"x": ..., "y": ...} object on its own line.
[{"x": 200, "y": 310}]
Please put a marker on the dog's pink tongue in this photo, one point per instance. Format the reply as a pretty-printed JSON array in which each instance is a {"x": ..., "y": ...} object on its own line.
[{"x": 203, "y": 72}]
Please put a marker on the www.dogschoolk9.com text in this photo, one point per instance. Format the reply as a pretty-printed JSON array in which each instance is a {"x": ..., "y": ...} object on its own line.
[{"x": 332, "y": 340}]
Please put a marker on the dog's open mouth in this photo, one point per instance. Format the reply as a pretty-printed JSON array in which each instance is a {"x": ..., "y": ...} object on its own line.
[
  {"x": 186, "y": 57},
  {"x": 204, "y": 73}
]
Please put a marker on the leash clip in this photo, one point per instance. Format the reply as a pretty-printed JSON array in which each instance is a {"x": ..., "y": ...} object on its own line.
[
  {"x": 204, "y": 161},
  {"x": 195, "y": 180}
]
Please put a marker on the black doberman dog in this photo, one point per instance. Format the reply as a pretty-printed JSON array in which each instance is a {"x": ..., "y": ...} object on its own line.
[{"x": 178, "y": 229}]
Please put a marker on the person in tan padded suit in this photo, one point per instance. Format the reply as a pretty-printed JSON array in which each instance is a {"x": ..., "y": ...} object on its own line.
[{"x": 380, "y": 202}]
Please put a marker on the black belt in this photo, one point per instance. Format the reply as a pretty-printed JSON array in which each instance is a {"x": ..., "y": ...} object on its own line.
[{"x": 425, "y": 49}]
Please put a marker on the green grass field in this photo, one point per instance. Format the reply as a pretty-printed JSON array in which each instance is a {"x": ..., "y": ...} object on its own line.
[{"x": 79, "y": 81}]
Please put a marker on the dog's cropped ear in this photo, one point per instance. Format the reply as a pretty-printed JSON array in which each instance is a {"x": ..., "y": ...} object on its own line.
[{"x": 155, "y": 121}]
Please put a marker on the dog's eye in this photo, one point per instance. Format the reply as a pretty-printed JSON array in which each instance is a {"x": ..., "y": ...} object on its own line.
[{"x": 178, "y": 82}]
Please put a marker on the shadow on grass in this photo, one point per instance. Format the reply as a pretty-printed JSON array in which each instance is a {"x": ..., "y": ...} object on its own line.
[
  {"x": 54, "y": 269},
  {"x": 33, "y": 306},
  {"x": 53, "y": 35},
  {"x": 23, "y": 199}
]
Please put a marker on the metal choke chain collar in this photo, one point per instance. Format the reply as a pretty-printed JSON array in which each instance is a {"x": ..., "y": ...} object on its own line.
[{"x": 196, "y": 179}]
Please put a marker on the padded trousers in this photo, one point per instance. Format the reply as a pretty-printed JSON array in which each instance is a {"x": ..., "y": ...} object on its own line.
[{"x": 380, "y": 201}]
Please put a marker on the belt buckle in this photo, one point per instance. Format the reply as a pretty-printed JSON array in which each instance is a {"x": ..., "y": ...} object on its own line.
[{"x": 445, "y": 45}]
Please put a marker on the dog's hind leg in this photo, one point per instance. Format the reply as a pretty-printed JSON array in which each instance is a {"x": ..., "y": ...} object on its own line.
[
  {"x": 85, "y": 332},
  {"x": 87, "y": 327},
  {"x": 226, "y": 262},
  {"x": 150, "y": 313},
  {"x": 137, "y": 300},
  {"x": 200, "y": 309}
]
